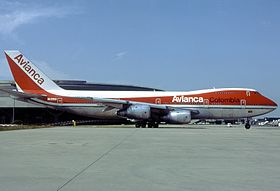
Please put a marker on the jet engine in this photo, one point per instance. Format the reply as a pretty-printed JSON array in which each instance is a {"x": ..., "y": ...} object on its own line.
[
  {"x": 178, "y": 117},
  {"x": 136, "y": 112}
]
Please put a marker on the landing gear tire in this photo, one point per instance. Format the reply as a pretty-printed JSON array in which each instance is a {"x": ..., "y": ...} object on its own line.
[
  {"x": 150, "y": 125},
  {"x": 140, "y": 124},
  {"x": 156, "y": 125},
  {"x": 143, "y": 125},
  {"x": 247, "y": 126}
]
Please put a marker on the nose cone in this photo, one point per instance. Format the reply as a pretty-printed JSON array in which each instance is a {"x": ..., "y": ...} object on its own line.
[{"x": 272, "y": 103}]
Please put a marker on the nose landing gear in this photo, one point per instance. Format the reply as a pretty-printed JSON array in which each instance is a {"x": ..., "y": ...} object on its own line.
[{"x": 247, "y": 124}]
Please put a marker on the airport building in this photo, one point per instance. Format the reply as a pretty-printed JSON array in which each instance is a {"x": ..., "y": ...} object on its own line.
[{"x": 16, "y": 111}]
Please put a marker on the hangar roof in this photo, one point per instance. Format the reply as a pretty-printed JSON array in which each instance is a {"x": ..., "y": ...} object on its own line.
[{"x": 84, "y": 85}]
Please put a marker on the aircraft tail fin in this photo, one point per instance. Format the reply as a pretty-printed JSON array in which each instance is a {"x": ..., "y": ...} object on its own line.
[{"x": 28, "y": 77}]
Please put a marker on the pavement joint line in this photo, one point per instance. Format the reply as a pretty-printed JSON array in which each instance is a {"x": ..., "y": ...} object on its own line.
[{"x": 98, "y": 159}]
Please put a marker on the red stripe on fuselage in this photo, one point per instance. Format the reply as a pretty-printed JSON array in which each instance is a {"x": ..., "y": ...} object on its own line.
[{"x": 226, "y": 97}]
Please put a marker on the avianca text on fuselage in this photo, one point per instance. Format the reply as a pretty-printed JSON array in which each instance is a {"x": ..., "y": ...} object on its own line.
[
  {"x": 31, "y": 71},
  {"x": 183, "y": 99}
]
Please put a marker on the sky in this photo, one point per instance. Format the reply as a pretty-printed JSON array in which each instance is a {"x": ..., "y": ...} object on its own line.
[{"x": 171, "y": 45}]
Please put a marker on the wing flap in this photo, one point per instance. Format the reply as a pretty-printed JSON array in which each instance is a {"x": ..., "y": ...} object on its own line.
[{"x": 120, "y": 104}]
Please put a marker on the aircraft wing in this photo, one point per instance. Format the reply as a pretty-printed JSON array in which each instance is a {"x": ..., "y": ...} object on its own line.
[{"x": 121, "y": 104}]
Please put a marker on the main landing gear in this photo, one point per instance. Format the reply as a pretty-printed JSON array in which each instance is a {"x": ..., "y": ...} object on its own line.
[{"x": 143, "y": 124}]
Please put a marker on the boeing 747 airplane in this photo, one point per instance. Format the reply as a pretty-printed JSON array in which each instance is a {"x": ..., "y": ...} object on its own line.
[{"x": 144, "y": 107}]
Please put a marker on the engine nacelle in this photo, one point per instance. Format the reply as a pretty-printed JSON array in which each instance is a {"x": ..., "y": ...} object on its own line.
[
  {"x": 178, "y": 117},
  {"x": 136, "y": 112}
]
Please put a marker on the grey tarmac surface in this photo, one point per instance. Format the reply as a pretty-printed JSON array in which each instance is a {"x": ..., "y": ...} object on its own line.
[{"x": 125, "y": 159}]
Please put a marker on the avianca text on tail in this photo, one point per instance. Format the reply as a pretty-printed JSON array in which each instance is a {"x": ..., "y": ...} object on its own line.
[
  {"x": 144, "y": 107},
  {"x": 29, "y": 70}
]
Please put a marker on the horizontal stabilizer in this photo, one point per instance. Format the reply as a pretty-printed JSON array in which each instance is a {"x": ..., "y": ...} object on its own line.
[{"x": 21, "y": 95}]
